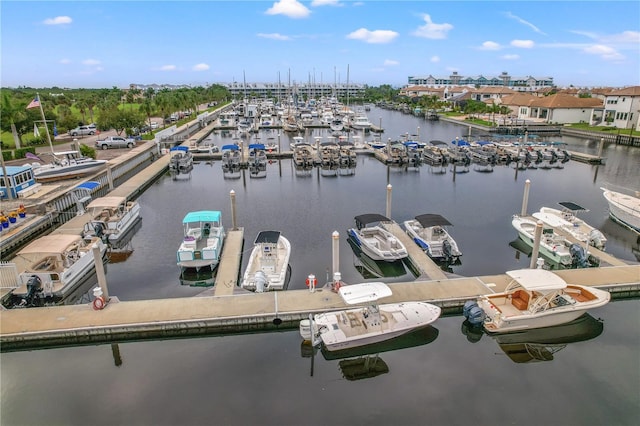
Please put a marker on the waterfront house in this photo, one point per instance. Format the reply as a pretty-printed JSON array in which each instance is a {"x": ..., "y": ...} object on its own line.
[{"x": 622, "y": 108}]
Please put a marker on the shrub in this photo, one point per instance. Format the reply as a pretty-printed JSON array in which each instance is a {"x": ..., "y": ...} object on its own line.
[{"x": 87, "y": 151}]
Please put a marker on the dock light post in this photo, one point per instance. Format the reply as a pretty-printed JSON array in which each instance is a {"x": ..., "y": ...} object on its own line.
[
  {"x": 232, "y": 194},
  {"x": 536, "y": 245},
  {"x": 389, "y": 187},
  {"x": 525, "y": 198}
]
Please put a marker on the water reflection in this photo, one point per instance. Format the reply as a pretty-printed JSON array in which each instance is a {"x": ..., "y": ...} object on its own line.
[
  {"x": 539, "y": 344},
  {"x": 364, "y": 362}
]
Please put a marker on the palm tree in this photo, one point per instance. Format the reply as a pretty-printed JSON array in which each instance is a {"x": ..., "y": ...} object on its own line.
[{"x": 11, "y": 113}]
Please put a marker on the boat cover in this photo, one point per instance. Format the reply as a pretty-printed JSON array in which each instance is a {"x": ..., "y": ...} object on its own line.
[
  {"x": 572, "y": 206},
  {"x": 537, "y": 279},
  {"x": 180, "y": 148},
  {"x": 363, "y": 219},
  {"x": 230, "y": 147},
  {"x": 90, "y": 185},
  {"x": 256, "y": 146},
  {"x": 267, "y": 237},
  {"x": 202, "y": 216},
  {"x": 364, "y": 293},
  {"x": 107, "y": 202},
  {"x": 429, "y": 220}
]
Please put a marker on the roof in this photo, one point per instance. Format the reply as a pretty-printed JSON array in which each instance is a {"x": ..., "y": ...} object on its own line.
[
  {"x": 267, "y": 237},
  {"x": 371, "y": 217},
  {"x": 537, "y": 279},
  {"x": 364, "y": 293},
  {"x": 202, "y": 216},
  {"x": 561, "y": 100},
  {"x": 52, "y": 243},
  {"x": 107, "y": 202},
  {"x": 14, "y": 170},
  {"x": 627, "y": 91},
  {"x": 427, "y": 220}
]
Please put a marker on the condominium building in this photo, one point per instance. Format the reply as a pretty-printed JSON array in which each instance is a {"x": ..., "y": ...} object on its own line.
[{"x": 520, "y": 84}]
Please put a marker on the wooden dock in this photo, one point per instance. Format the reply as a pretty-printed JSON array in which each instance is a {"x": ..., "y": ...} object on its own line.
[{"x": 72, "y": 325}]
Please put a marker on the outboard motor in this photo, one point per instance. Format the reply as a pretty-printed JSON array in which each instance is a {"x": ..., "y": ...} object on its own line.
[
  {"x": 98, "y": 230},
  {"x": 261, "y": 282},
  {"x": 476, "y": 316},
  {"x": 34, "y": 288},
  {"x": 468, "y": 305},
  {"x": 578, "y": 256},
  {"x": 446, "y": 250}
]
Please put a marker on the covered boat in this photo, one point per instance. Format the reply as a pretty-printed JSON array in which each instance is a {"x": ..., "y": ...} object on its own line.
[
  {"x": 534, "y": 298},
  {"x": 112, "y": 217},
  {"x": 268, "y": 266},
  {"x": 203, "y": 239},
  {"x": 375, "y": 241},
  {"x": 430, "y": 234}
]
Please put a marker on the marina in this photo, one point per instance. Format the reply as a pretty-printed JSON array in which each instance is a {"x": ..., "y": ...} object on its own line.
[{"x": 129, "y": 325}]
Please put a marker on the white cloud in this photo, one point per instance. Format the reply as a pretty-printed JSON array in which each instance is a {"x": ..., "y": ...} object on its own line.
[
  {"x": 388, "y": 62},
  {"x": 65, "y": 61},
  {"x": 525, "y": 44},
  {"x": 435, "y": 59},
  {"x": 291, "y": 8},
  {"x": 91, "y": 62},
  {"x": 58, "y": 20},
  {"x": 523, "y": 22},
  {"x": 200, "y": 67},
  {"x": 490, "y": 45},
  {"x": 274, "y": 36},
  {"x": 316, "y": 3},
  {"x": 167, "y": 68},
  {"x": 432, "y": 30},
  {"x": 374, "y": 37},
  {"x": 605, "y": 52},
  {"x": 510, "y": 57},
  {"x": 624, "y": 37}
]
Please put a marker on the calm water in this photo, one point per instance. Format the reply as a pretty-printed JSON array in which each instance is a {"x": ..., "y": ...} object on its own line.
[{"x": 441, "y": 377}]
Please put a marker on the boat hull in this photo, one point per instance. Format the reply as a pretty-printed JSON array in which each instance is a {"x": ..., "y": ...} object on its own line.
[
  {"x": 45, "y": 174},
  {"x": 624, "y": 209},
  {"x": 551, "y": 246}
]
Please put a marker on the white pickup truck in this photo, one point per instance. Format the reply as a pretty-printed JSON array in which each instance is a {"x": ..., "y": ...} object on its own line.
[{"x": 115, "y": 142}]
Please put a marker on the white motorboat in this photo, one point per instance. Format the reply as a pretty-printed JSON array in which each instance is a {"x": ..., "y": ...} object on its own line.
[
  {"x": 268, "y": 266},
  {"x": 567, "y": 220},
  {"x": 534, "y": 298},
  {"x": 66, "y": 165},
  {"x": 203, "y": 239},
  {"x": 361, "y": 122},
  {"x": 430, "y": 234},
  {"x": 111, "y": 218},
  {"x": 53, "y": 266},
  {"x": 257, "y": 162},
  {"x": 304, "y": 155},
  {"x": 623, "y": 208},
  {"x": 369, "y": 323},
  {"x": 375, "y": 241},
  {"x": 180, "y": 159},
  {"x": 552, "y": 245}
]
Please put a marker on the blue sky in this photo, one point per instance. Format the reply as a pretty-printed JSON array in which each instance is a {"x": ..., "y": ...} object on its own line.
[{"x": 98, "y": 44}]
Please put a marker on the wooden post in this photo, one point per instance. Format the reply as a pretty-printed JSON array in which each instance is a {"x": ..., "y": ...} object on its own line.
[
  {"x": 525, "y": 198},
  {"x": 536, "y": 245},
  {"x": 335, "y": 239},
  {"x": 232, "y": 193},
  {"x": 102, "y": 279},
  {"x": 389, "y": 201}
]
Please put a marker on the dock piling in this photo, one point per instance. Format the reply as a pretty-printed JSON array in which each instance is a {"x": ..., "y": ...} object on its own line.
[
  {"x": 525, "y": 198},
  {"x": 389, "y": 201},
  {"x": 102, "y": 279},
  {"x": 335, "y": 239},
  {"x": 232, "y": 194},
  {"x": 536, "y": 245}
]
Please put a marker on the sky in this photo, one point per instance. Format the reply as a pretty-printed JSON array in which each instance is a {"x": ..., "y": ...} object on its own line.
[{"x": 102, "y": 44}]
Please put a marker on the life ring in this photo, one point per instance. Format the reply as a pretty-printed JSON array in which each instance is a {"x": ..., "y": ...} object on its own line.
[
  {"x": 336, "y": 286},
  {"x": 311, "y": 280},
  {"x": 98, "y": 303}
]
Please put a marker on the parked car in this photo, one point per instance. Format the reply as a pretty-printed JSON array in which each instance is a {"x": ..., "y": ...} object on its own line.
[
  {"x": 115, "y": 142},
  {"x": 154, "y": 125},
  {"x": 84, "y": 130}
]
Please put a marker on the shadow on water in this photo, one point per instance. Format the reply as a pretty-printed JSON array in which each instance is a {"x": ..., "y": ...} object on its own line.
[{"x": 539, "y": 344}]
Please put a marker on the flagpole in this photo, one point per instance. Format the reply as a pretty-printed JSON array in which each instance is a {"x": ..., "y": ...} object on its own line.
[{"x": 44, "y": 120}]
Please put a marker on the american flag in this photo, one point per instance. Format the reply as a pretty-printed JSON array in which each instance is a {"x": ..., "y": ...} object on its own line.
[{"x": 34, "y": 103}]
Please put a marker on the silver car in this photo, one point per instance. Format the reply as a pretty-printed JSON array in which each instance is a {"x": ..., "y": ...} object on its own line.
[{"x": 83, "y": 130}]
